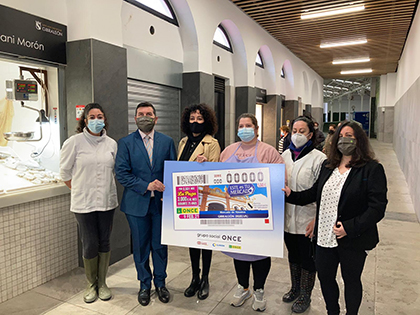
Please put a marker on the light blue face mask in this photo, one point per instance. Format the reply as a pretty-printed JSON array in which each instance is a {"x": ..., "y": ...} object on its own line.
[
  {"x": 246, "y": 134},
  {"x": 96, "y": 125}
]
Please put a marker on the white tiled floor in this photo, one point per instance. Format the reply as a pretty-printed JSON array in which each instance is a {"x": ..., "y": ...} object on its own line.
[{"x": 391, "y": 277}]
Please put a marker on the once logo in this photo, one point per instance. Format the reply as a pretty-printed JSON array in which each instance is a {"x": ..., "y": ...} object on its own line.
[{"x": 232, "y": 238}]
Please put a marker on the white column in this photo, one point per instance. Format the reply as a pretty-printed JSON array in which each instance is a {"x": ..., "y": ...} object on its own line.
[
  {"x": 348, "y": 107},
  {"x": 331, "y": 109},
  {"x": 361, "y": 93},
  {"x": 339, "y": 108}
]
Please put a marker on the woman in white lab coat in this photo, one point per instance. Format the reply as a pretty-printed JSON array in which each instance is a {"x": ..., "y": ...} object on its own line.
[
  {"x": 303, "y": 164},
  {"x": 87, "y": 168}
]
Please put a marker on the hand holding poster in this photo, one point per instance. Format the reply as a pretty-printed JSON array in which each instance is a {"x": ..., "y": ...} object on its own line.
[{"x": 224, "y": 206}]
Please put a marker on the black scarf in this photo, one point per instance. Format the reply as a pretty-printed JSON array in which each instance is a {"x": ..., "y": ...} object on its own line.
[{"x": 190, "y": 146}]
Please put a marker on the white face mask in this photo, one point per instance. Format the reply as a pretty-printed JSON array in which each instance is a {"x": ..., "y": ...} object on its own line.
[{"x": 299, "y": 140}]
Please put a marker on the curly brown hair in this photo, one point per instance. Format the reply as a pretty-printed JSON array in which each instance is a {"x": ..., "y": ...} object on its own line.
[
  {"x": 285, "y": 128},
  {"x": 210, "y": 120},
  {"x": 363, "y": 153},
  {"x": 81, "y": 123}
]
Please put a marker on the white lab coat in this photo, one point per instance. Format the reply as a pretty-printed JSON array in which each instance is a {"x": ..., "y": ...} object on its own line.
[
  {"x": 301, "y": 175},
  {"x": 89, "y": 162}
]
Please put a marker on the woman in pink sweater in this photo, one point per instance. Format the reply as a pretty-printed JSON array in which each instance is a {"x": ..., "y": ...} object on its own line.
[{"x": 250, "y": 150}]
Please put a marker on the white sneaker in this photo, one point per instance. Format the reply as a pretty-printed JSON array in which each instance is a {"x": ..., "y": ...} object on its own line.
[
  {"x": 240, "y": 296},
  {"x": 259, "y": 302}
]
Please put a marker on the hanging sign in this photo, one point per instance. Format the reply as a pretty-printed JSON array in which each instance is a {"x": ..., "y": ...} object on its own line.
[
  {"x": 261, "y": 95},
  {"x": 31, "y": 36}
]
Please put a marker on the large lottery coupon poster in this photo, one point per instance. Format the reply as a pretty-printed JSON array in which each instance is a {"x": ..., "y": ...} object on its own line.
[
  {"x": 239, "y": 199},
  {"x": 224, "y": 206}
]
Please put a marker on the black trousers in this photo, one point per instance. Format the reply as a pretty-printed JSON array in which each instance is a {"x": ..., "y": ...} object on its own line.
[
  {"x": 300, "y": 251},
  {"x": 352, "y": 262},
  {"x": 95, "y": 231},
  {"x": 260, "y": 270},
  {"x": 195, "y": 260}
]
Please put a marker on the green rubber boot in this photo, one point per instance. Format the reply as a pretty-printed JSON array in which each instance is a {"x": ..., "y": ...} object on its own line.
[
  {"x": 91, "y": 270},
  {"x": 103, "y": 290}
]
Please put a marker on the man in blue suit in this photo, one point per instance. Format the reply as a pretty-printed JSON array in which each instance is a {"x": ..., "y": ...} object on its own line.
[{"x": 139, "y": 168}]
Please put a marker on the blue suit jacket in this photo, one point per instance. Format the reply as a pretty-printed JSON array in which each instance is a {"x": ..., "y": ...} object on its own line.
[{"x": 134, "y": 172}]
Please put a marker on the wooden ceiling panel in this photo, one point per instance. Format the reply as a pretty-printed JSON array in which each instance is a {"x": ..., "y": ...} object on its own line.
[{"x": 384, "y": 23}]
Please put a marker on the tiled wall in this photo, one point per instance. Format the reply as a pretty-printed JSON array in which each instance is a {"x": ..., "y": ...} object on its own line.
[
  {"x": 407, "y": 140},
  {"x": 38, "y": 242}
]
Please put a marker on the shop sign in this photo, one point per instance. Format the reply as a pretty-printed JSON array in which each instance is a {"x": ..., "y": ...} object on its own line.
[
  {"x": 28, "y": 35},
  {"x": 261, "y": 95}
]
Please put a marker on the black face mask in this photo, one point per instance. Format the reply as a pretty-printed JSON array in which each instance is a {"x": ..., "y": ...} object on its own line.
[
  {"x": 195, "y": 127},
  {"x": 331, "y": 132}
]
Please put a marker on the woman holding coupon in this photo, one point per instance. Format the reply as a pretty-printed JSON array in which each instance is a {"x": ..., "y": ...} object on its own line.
[
  {"x": 250, "y": 150},
  {"x": 199, "y": 123},
  {"x": 303, "y": 164},
  {"x": 350, "y": 196}
]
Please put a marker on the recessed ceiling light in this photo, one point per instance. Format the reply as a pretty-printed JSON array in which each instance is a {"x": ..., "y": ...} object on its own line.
[
  {"x": 344, "y": 61},
  {"x": 356, "y": 71},
  {"x": 332, "y": 11},
  {"x": 337, "y": 44}
]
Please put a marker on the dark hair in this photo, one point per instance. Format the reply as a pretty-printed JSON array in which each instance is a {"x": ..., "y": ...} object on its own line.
[
  {"x": 145, "y": 104},
  {"x": 360, "y": 156},
  {"x": 81, "y": 124},
  {"x": 285, "y": 128},
  {"x": 210, "y": 120},
  {"x": 308, "y": 121},
  {"x": 247, "y": 115}
]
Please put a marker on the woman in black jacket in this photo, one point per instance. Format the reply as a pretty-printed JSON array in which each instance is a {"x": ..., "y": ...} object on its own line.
[{"x": 351, "y": 199}]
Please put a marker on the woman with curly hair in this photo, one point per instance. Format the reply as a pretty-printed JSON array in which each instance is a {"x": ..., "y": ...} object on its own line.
[{"x": 199, "y": 123}]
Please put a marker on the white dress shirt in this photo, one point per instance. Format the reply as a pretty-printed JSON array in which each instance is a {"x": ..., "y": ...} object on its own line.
[
  {"x": 151, "y": 135},
  {"x": 143, "y": 136},
  {"x": 89, "y": 162}
]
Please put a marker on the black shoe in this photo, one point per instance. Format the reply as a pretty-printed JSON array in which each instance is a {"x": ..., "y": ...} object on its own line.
[
  {"x": 163, "y": 294},
  {"x": 203, "y": 292},
  {"x": 144, "y": 297},
  {"x": 194, "y": 286},
  {"x": 291, "y": 296},
  {"x": 301, "y": 304},
  {"x": 295, "y": 274}
]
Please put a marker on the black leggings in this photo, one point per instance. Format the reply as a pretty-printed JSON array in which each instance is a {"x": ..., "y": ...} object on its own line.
[
  {"x": 260, "y": 270},
  {"x": 95, "y": 232},
  {"x": 195, "y": 261},
  {"x": 300, "y": 250},
  {"x": 352, "y": 262}
]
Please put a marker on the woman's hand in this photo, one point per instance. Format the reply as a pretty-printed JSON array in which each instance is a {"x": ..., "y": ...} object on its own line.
[
  {"x": 339, "y": 230},
  {"x": 201, "y": 158},
  {"x": 310, "y": 229},
  {"x": 286, "y": 190}
]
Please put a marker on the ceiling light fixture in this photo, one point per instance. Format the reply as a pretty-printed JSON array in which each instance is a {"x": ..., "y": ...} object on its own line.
[
  {"x": 333, "y": 11},
  {"x": 356, "y": 71},
  {"x": 345, "y": 61},
  {"x": 337, "y": 44}
]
